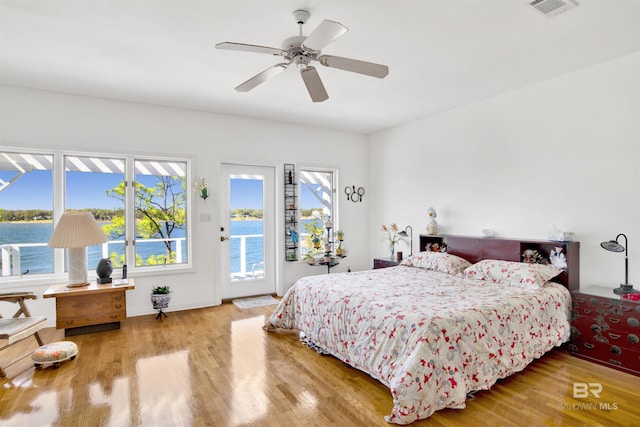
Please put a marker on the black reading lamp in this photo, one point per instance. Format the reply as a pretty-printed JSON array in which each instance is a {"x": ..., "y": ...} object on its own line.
[
  {"x": 404, "y": 234},
  {"x": 614, "y": 246}
]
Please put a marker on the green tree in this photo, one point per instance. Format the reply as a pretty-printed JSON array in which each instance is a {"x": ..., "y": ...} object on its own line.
[{"x": 160, "y": 210}]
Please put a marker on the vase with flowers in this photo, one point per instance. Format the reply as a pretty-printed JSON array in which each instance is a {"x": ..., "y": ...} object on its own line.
[{"x": 392, "y": 237}]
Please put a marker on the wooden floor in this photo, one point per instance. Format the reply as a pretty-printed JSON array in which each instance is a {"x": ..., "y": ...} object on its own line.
[{"x": 217, "y": 367}]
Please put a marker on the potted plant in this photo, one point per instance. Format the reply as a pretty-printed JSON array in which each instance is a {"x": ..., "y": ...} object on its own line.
[
  {"x": 309, "y": 258},
  {"x": 160, "y": 297}
]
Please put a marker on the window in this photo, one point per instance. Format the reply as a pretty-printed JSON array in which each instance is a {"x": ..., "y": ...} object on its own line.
[
  {"x": 95, "y": 184},
  {"x": 148, "y": 225},
  {"x": 160, "y": 199},
  {"x": 26, "y": 205},
  {"x": 316, "y": 206}
]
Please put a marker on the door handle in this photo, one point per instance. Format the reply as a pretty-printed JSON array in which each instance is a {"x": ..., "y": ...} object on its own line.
[{"x": 222, "y": 238}]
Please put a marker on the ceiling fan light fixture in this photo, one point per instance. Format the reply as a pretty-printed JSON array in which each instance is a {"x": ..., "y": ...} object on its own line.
[{"x": 301, "y": 61}]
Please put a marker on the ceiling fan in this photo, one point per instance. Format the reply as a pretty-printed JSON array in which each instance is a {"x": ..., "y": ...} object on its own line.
[{"x": 301, "y": 50}]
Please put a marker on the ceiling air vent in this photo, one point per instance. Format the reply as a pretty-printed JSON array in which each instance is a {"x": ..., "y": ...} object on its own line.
[{"x": 552, "y": 7}]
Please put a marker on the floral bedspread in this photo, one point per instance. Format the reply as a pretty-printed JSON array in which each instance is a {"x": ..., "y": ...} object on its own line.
[{"x": 428, "y": 336}]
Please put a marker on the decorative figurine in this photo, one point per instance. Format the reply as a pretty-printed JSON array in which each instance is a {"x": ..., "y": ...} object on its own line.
[
  {"x": 104, "y": 270},
  {"x": 432, "y": 226},
  {"x": 557, "y": 258}
]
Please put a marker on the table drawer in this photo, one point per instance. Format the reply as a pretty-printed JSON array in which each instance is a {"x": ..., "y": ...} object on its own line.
[
  {"x": 74, "y": 322},
  {"x": 74, "y": 306}
]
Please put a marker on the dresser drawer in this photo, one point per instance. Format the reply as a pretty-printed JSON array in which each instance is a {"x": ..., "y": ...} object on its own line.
[
  {"x": 614, "y": 351},
  {"x": 97, "y": 319},
  {"x": 591, "y": 304},
  {"x": 70, "y": 307},
  {"x": 628, "y": 327},
  {"x": 609, "y": 329}
]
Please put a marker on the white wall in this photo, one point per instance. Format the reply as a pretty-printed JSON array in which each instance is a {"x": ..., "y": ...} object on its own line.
[
  {"x": 45, "y": 120},
  {"x": 564, "y": 152}
]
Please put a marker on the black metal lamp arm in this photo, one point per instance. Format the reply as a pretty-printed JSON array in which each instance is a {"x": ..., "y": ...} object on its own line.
[
  {"x": 408, "y": 227},
  {"x": 626, "y": 258}
]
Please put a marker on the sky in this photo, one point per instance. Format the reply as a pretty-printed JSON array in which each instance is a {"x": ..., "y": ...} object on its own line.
[{"x": 88, "y": 190}]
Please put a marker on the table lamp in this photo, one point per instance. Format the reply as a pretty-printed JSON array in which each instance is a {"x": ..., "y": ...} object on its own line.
[
  {"x": 614, "y": 246},
  {"x": 404, "y": 234},
  {"x": 75, "y": 231}
]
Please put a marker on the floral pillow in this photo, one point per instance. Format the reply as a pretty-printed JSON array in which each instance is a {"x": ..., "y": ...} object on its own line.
[
  {"x": 519, "y": 274},
  {"x": 437, "y": 261}
]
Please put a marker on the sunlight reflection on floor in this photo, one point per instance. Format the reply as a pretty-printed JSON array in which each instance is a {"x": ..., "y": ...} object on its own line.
[
  {"x": 248, "y": 369},
  {"x": 155, "y": 375}
]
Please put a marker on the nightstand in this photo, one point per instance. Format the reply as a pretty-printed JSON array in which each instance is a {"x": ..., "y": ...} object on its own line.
[
  {"x": 605, "y": 328},
  {"x": 385, "y": 262}
]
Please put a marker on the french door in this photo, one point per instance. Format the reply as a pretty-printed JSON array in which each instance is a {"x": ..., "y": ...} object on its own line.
[{"x": 247, "y": 230}]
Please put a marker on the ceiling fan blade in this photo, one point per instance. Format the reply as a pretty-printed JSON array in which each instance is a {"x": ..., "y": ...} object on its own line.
[
  {"x": 261, "y": 77},
  {"x": 327, "y": 32},
  {"x": 314, "y": 85},
  {"x": 354, "y": 65},
  {"x": 249, "y": 48}
]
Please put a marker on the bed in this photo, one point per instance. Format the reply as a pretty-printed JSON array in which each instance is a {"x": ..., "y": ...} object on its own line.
[{"x": 438, "y": 326}]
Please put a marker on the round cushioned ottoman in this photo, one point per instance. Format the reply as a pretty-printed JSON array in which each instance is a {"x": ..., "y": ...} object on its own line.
[{"x": 54, "y": 353}]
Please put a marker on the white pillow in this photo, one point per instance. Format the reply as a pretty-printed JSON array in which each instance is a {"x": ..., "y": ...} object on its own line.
[
  {"x": 437, "y": 261},
  {"x": 510, "y": 273}
]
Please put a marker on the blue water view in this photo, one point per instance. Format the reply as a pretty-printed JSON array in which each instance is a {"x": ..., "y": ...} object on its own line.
[{"x": 39, "y": 259}]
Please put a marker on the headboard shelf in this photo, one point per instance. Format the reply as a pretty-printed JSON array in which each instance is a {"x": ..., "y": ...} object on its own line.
[{"x": 476, "y": 249}]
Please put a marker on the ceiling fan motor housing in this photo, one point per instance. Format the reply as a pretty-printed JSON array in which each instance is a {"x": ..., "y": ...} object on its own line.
[{"x": 293, "y": 42}]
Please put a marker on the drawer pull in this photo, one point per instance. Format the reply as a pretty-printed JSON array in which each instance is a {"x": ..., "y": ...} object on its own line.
[
  {"x": 614, "y": 336},
  {"x": 69, "y": 322},
  {"x": 114, "y": 316},
  {"x": 606, "y": 305},
  {"x": 118, "y": 298},
  {"x": 118, "y": 305},
  {"x": 580, "y": 299},
  {"x": 589, "y": 345},
  {"x": 587, "y": 312},
  {"x": 625, "y": 308},
  {"x": 614, "y": 320}
]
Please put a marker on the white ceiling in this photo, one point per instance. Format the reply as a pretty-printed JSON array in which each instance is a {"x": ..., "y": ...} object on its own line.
[{"x": 441, "y": 53}]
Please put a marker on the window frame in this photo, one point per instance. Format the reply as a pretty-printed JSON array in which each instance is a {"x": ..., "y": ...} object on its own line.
[
  {"x": 334, "y": 200},
  {"x": 58, "y": 206}
]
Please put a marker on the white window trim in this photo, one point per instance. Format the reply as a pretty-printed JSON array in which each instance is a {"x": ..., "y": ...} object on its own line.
[{"x": 58, "y": 206}]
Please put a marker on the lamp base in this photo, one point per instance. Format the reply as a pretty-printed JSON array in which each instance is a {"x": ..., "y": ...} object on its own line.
[{"x": 625, "y": 288}]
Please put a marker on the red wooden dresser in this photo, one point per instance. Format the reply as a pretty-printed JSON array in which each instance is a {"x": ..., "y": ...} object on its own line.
[{"x": 605, "y": 328}]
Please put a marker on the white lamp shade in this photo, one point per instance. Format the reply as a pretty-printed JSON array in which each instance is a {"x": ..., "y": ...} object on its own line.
[{"x": 77, "y": 230}]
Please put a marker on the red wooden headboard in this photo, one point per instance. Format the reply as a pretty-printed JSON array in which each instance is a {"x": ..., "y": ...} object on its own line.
[{"x": 475, "y": 249}]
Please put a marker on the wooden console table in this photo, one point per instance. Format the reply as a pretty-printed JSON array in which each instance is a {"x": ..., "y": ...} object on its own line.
[{"x": 91, "y": 308}]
